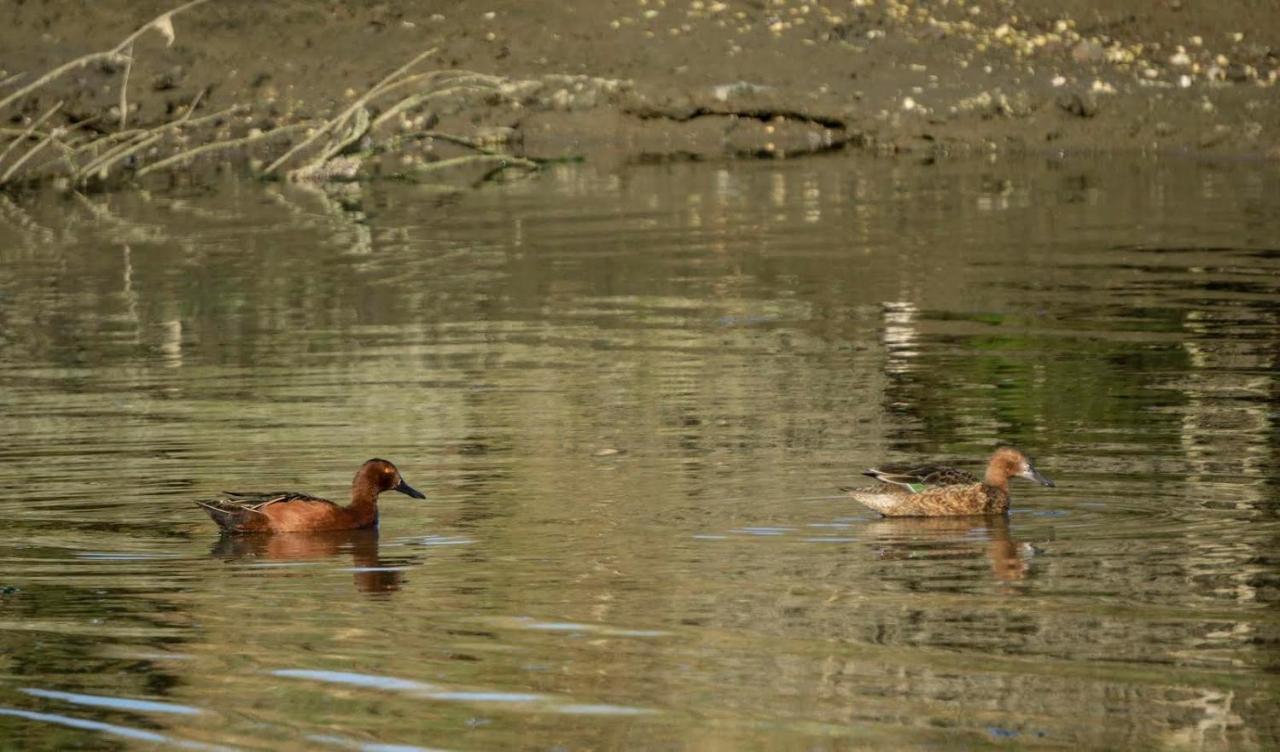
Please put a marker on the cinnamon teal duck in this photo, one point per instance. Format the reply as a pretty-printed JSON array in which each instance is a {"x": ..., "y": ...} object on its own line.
[
  {"x": 288, "y": 512},
  {"x": 940, "y": 491}
]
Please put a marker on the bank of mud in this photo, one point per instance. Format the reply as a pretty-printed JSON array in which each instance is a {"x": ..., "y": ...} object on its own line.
[{"x": 654, "y": 79}]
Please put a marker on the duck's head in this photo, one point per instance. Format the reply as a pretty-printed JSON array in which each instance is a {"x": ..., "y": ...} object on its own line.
[
  {"x": 383, "y": 476},
  {"x": 1009, "y": 462}
]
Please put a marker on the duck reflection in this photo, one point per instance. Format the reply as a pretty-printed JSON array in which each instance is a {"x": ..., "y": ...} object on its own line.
[
  {"x": 901, "y": 537},
  {"x": 371, "y": 574}
]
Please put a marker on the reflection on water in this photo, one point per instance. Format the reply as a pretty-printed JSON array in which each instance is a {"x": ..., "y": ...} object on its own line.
[
  {"x": 372, "y": 574},
  {"x": 955, "y": 538},
  {"x": 633, "y": 397}
]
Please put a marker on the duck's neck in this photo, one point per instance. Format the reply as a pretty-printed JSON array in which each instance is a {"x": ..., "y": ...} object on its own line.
[
  {"x": 363, "y": 494},
  {"x": 996, "y": 478},
  {"x": 364, "y": 504}
]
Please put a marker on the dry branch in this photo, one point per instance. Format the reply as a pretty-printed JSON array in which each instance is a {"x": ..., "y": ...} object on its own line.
[
  {"x": 501, "y": 160},
  {"x": 124, "y": 88},
  {"x": 86, "y": 156},
  {"x": 218, "y": 145},
  {"x": 13, "y": 168},
  {"x": 342, "y": 116},
  {"x": 30, "y": 130},
  {"x": 414, "y": 100},
  {"x": 162, "y": 23}
]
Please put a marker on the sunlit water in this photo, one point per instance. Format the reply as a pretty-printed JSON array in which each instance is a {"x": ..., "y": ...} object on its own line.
[{"x": 630, "y": 398}]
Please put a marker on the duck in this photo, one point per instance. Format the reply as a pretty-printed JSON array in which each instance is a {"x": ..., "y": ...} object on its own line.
[
  {"x": 941, "y": 491},
  {"x": 290, "y": 512}
]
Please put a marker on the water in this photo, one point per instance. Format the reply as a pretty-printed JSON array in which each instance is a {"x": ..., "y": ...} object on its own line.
[{"x": 630, "y": 398}]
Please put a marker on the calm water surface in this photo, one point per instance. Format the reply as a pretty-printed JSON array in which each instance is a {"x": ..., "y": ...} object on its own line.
[{"x": 630, "y": 398}]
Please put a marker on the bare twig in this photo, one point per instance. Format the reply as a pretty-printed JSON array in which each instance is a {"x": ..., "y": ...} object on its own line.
[
  {"x": 27, "y": 133},
  {"x": 148, "y": 137},
  {"x": 30, "y": 153},
  {"x": 19, "y": 132},
  {"x": 162, "y": 23},
  {"x": 86, "y": 156},
  {"x": 359, "y": 126},
  {"x": 505, "y": 160},
  {"x": 218, "y": 145},
  {"x": 67, "y": 151},
  {"x": 124, "y": 88},
  {"x": 447, "y": 77},
  {"x": 106, "y": 140},
  {"x": 122, "y": 151},
  {"x": 79, "y": 62},
  {"x": 351, "y": 109},
  {"x": 71, "y": 150},
  {"x": 396, "y": 142},
  {"x": 413, "y": 100},
  {"x": 132, "y": 134}
]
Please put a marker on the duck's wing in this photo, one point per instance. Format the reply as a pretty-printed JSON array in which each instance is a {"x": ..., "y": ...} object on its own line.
[
  {"x": 242, "y": 511},
  {"x": 261, "y": 498},
  {"x": 917, "y": 478},
  {"x": 254, "y": 501}
]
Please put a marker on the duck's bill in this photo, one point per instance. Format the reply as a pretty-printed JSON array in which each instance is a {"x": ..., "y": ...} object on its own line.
[
  {"x": 1033, "y": 474},
  {"x": 409, "y": 490}
]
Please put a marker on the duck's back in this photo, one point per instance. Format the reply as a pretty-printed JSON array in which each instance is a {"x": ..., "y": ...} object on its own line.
[
  {"x": 915, "y": 477},
  {"x": 275, "y": 511}
]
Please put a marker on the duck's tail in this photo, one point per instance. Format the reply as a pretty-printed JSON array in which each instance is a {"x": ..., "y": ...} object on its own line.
[
  {"x": 877, "y": 502},
  {"x": 229, "y": 520}
]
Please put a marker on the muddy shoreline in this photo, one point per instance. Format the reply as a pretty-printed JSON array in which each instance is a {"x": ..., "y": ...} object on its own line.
[{"x": 649, "y": 79}]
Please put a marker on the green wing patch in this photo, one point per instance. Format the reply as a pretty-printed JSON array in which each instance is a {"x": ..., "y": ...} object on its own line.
[{"x": 916, "y": 487}]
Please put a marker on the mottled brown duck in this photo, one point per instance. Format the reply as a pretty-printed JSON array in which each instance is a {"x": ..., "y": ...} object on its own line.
[{"x": 940, "y": 491}]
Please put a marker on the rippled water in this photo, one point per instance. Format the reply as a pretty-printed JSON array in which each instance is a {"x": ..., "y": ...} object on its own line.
[{"x": 630, "y": 399}]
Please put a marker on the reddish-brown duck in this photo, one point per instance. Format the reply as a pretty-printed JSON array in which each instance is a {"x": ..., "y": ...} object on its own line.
[{"x": 288, "y": 512}]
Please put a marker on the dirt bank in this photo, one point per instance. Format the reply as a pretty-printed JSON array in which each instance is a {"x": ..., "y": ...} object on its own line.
[{"x": 629, "y": 79}]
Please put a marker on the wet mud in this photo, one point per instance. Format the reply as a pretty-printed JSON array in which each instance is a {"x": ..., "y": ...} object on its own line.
[{"x": 651, "y": 79}]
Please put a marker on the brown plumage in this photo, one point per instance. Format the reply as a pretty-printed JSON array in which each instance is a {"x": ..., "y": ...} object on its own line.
[
  {"x": 288, "y": 512},
  {"x": 939, "y": 491}
]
